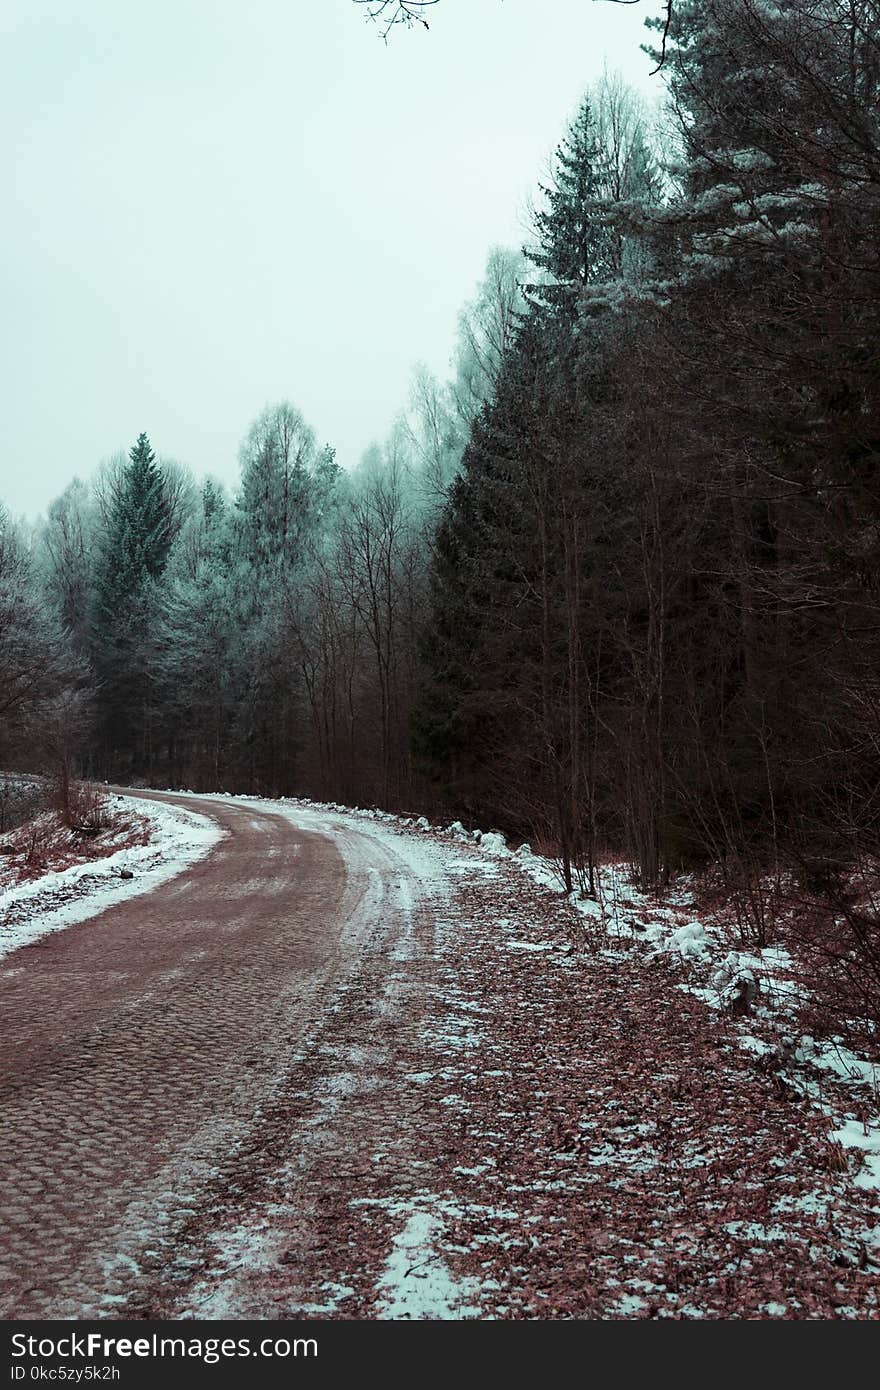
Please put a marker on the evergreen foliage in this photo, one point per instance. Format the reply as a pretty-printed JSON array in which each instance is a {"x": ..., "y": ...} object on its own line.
[{"x": 138, "y": 532}]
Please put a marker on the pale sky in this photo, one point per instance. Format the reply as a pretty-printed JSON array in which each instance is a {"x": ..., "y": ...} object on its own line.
[{"x": 215, "y": 204}]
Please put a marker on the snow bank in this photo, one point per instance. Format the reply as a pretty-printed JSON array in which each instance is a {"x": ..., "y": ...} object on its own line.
[
  {"x": 737, "y": 977},
  {"x": 57, "y": 900}
]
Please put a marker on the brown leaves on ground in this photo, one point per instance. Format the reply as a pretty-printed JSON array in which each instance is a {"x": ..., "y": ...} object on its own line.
[
  {"x": 582, "y": 1138},
  {"x": 653, "y": 1168},
  {"x": 48, "y": 845}
]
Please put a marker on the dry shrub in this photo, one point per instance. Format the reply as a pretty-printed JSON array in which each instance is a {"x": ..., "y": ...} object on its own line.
[
  {"x": 37, "y": 841},
  {"x": 828, "y": 917},
  {"x": 834, "y": 933},
  {"x": 81, "y": 807}
]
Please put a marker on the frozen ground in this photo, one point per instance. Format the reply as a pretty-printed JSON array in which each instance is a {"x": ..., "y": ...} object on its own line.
[{"x": 175, "y": 839}]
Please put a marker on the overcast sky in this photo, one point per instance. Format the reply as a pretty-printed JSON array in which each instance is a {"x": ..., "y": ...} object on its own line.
[{"x": 213, "y": 204}]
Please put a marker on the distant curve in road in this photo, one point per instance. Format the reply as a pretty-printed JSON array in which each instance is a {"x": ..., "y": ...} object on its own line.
[{"x": 137, "y": 1047}]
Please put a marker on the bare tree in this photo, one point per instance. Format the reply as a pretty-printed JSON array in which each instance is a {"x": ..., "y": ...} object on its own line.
[
  {"x": 487, "y": 330},
  {"x": 36, "y": 664},
  {"x": 67, "y": 540},
  {"x": 432, "y": 433}
]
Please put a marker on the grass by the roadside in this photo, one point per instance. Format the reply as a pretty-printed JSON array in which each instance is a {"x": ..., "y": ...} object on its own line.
[{"x": 89, "y": 827}]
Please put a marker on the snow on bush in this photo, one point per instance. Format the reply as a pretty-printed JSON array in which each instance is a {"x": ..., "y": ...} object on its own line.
[
  {"x": 690, "y": 941},
  {"x": 493, "y": 842},
  {"x": 736, "y": 978}
]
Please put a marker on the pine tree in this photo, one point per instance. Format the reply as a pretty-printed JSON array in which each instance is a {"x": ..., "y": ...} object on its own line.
[
  {"x": 147, "y": 513},
  {"x": 592, "y": 245},
  {"x": 768, "y": 335},
  {"x": 134, "y": 550},
  {"x": 504, "y": 722},
  {"x": 574, "y": 249}
]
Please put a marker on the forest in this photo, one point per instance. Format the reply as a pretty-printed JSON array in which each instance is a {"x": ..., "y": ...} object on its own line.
[{"x": 614, "y": 586}]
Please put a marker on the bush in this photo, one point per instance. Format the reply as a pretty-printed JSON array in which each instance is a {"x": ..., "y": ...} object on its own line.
[{"x": 81, "y": 806}]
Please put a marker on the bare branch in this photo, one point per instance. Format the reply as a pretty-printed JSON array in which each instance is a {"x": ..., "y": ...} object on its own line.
[
  {"x": 666, "y": 27},
  {"x": 387, "y": 13}
]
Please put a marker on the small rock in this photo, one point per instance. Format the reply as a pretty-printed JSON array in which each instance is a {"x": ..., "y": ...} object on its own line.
[{"x": 126, "y": 873}]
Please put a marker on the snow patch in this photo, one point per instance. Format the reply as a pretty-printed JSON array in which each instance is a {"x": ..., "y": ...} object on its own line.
[
  {"x": 416, "y": 1283},
  {"x": 530, "y": 945},
  {"x": 690, "y": 941},
  {"x": 30, "y": 911}
]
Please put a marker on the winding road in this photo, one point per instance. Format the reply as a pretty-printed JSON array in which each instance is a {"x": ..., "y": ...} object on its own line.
[{"x": 139, "y": 1046}]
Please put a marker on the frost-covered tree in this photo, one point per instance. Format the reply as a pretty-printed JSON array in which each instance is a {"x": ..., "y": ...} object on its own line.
[
  {"x": 67, "y": 549},
  {"x": 287, "y": 484},
  {"x": 427, "y": 438},
  {"x": 487, "y": 328},
  {"x": 38, "y": 669},
  {"x": 197, "y": 637},
  {"x": 285, "y": 504}
]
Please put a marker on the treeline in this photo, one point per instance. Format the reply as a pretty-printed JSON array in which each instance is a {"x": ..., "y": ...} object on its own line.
[
  {"x": 266, "y": 643},
  {"x": 615, "y": 584},
  {"x": 655, "y": 599}
]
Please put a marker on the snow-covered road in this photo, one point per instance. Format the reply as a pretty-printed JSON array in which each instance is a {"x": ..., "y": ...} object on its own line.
[{"x": 346, "y": 1067}]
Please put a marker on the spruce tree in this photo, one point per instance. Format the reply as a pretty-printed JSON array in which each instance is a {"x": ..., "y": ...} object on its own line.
[
  {"x": 574, "y": 248},
  {"x": 132, "y": 558},
  {"x": 592, "y": 247}
]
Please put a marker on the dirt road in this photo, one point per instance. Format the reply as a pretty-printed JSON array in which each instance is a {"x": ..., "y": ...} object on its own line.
[
  {"x": 344, "y": 1069},
  {"x": 139, "y": 1046}
]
